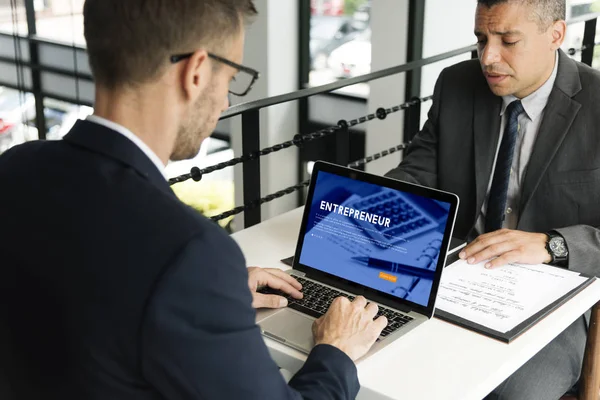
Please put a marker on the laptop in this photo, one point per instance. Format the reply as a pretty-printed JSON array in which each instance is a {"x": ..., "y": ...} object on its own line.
[{"x": 363, "y": 234}]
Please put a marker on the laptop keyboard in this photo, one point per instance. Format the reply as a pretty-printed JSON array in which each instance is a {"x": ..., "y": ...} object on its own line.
[{"x": 317, "y": 299}]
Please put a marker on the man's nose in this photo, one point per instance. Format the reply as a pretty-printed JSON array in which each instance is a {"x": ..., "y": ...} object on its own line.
[
  {"x": 226, "y": 103},
  {"x": 489, "y": 55}
]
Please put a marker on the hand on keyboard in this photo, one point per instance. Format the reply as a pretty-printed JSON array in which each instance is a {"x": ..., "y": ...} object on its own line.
[
  {"x": 318, "y": 298},
  {"x": 276, "y": 279},
  {"x": 350, "y": 326}
]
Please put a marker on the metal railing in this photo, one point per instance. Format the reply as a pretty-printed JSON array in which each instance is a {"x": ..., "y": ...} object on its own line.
[
  {"x": 251, "y": 122},
  {"x": 251, "y": 146}
]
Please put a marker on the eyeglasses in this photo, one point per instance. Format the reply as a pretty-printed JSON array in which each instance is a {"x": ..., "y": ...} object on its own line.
[{"x": 242, "y": 82}]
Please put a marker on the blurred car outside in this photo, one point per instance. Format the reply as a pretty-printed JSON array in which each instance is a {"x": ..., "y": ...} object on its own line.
[
  {"x": 17, "y": 117},
  {"x": 352, "y": 58}
]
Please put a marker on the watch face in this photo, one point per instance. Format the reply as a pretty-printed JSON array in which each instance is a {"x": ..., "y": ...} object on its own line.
[{"x": 557, "y": 245}]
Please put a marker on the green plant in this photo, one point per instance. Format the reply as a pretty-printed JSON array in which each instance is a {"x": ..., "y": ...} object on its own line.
[
  {"x": 208, "y": 197},
  {"x": 350, "y": 6},
  {"x": 596, "y": 59}
]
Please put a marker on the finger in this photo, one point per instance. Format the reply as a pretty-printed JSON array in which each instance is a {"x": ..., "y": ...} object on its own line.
[
  {"x": 339, "y": 301},
  {"x": 474, "y": 247},
  {"x": 360, "y": 302},
  {"x": 286, "y": 277},
  {"x": 371, "y": 310},
  {"x": 260, "y": 300},
  {"x": 315, "y": 325},
  {"x": 275, "y": 282},
  {"x": 466, "y": 251},
  {"x": 379, "y": 324},
  {"x": 493, "y": 250},
  {"x": 504, "y": 259},
  {"x": 476, "y": 244},
  {"x": 480, "y": 244}
]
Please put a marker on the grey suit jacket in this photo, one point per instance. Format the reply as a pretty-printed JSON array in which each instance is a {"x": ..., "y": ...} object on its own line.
[{"x": 561, "y": 189}]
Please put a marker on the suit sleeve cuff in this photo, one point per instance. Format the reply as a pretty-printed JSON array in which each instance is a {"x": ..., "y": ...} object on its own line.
[
  {"x": 327, "y": 351},
  {"x": 332, "y": 368}
]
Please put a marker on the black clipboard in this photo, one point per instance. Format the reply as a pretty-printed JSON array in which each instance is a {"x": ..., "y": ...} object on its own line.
[{"x": 511, "y": 335}]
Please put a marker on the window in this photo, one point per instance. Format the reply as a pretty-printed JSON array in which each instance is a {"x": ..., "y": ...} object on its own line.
[
  {"x": 61, "y": 116},
  {"x": 60, "y": 20},
  {"x": 13, "y": 19},
  {"x": 340, "y": 42},
  {"x": 18, "y": 117},
  {"x": 574, "y": 36},
  {"x": 16, "y": 109},
  {"x": 578, "y": 8}
]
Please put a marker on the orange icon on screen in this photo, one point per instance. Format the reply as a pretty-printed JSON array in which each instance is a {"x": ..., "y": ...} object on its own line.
[{"x": 388, "y": 277}]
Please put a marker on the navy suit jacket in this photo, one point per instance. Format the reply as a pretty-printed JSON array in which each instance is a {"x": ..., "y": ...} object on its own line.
[{"x": 111, "y": 288}]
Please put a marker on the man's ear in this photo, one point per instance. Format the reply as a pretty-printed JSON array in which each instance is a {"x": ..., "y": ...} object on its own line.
[
  {"x": 195, "y": 74},
  {"x": 558, "y": 30}
]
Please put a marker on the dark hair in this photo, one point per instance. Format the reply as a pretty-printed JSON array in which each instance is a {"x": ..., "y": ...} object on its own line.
[
  {"x": 546, "y": 11},
  {"x": 130, "y": 41}
]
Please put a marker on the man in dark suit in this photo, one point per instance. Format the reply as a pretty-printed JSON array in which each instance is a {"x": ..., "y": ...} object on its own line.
[
  {"x": 110, "y": 287},
  {"x": 519, "y": 144}
]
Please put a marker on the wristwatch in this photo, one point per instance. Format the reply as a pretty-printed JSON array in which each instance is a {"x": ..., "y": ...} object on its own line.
[{"x": 557, "y": 248}]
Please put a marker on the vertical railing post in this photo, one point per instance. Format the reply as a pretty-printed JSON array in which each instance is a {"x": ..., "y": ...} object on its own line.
[
  {"x": 36, "y": 76},
  {"x": 414, "y": 52},
  {"x": 589, "y": 38},
  {"x": 303, "y": 79},
  {"x": 342, "y": 144},
  {"x": 413, "y": 120},
  {"x": 251, "y": 169}
]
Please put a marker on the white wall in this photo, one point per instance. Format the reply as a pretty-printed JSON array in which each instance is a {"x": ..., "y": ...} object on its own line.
[
  {"x": 446, "y": 28},
  {"x": 389, "y": 24},
  {"x": 272, "y": 48}
]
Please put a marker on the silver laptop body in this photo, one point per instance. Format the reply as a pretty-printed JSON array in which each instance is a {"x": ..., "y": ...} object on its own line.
[{"x": 368, "y": 235}]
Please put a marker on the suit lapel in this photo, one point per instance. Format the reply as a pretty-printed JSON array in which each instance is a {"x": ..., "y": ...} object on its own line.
[
  {"x": 109, "y": 143},
  {"x": 559, "y": 114},
  {"x": 486, "y": 130}
]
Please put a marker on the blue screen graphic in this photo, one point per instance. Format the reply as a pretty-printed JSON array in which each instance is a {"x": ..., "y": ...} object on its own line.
[{"x": 382, "y": 238}]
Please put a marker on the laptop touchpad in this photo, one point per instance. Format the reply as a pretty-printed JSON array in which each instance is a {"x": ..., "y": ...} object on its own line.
[{"x": 291, "y": 328}]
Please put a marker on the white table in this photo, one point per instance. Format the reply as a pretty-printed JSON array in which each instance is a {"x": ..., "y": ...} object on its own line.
[{"x": 437, "y": 360}]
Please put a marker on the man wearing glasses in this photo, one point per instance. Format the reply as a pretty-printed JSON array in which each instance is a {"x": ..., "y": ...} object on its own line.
[
  {"x": 240, "y": 84},
  {"x": 110, "y": 287}
]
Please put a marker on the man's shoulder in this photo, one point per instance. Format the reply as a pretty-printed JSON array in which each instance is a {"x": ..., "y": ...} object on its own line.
[
  {"x": 460, "y": 80},
  {"x": 590, "y": 77},
  {"x": 464, "y": 72},
  {"x": 20, "y": 154},
  {"x": 91, "y": 181},
  {"x": 585, "y": 88}
]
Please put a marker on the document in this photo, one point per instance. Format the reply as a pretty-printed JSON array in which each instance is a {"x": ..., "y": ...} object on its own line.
[{"x": 502, "y": 298}]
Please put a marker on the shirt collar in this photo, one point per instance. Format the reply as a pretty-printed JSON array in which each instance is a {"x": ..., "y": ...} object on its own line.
[
  {"x": 131, "y": 136},
  {"x": 535, "y": 103}
]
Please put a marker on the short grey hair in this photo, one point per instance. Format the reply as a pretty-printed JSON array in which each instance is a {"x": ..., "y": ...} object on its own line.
[{"x": 546, "y": 12}]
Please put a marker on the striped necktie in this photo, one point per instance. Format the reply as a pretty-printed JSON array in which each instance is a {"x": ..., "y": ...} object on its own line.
[{"x": 496, "y": 209}]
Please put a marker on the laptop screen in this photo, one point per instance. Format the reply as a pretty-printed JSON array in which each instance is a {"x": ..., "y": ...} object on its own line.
[{"x": 382, "y": 238}]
